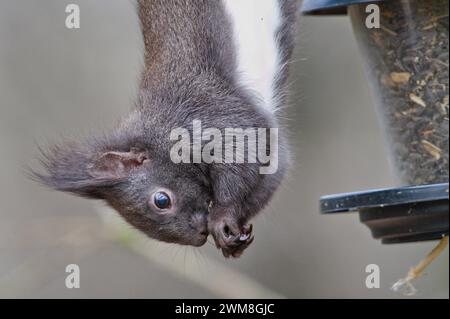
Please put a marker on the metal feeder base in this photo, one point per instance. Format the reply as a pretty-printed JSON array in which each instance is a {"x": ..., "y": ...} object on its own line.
[{"x": 397, "y": 215}]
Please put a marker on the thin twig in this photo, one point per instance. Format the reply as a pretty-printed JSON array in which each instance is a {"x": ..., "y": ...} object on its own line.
[{"x": 418, "y": 270}]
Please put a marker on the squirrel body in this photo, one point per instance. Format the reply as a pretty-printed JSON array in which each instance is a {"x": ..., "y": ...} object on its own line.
[{"x": 222, "y": 63}]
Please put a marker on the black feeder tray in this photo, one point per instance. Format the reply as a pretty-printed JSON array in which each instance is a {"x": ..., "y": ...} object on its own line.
[
  {"x": 394, "y": 215},
  {"x": 320, "y": 7},
  {"x": 397, "y": 215}
]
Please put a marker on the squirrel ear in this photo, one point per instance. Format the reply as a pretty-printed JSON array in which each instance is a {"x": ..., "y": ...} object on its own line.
[
  {"x": 82, "y": 171},
  {"x": 116, "y": 165}
]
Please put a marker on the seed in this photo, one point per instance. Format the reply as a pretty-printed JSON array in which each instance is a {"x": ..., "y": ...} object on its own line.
[
  {"x": 400, "y": 77},
  {"x": 432, "y": 149},
  {"x": 417, "y": 100}
]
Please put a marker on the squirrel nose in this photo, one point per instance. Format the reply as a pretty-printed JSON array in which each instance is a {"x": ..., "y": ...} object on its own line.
[{"x": 200, "y": 223}]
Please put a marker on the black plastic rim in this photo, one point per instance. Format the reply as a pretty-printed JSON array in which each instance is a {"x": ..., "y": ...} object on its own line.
[
  {"x": 383, "y": 197},
  {"x": 397, "y": 215},
  {"x": 330, "y": 6}
]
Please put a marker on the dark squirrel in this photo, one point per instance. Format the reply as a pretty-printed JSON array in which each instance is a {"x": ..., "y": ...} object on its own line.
[{"x": 193, "y": 66}]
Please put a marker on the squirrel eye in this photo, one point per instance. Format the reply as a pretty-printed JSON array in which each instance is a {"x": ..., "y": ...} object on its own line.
[{"x": 161, "y": 200}]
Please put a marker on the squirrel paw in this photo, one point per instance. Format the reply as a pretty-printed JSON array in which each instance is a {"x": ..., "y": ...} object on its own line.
[{"x": 229, "y": 236}]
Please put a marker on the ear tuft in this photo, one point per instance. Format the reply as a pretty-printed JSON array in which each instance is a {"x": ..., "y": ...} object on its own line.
[{"x": 88, "y": 171}]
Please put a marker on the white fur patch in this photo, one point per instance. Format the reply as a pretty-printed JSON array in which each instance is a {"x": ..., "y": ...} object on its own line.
[{"x": 255, "y": 23}]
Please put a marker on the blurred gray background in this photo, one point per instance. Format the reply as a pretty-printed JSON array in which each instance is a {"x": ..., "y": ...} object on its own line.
[{"x": 57, "y": 83}]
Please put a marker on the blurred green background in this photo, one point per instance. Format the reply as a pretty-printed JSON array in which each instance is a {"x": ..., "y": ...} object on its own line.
[{"x": 57, "y": 83}]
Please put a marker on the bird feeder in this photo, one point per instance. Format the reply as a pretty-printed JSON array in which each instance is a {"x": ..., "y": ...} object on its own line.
[{"x": 404, "y": 45}]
